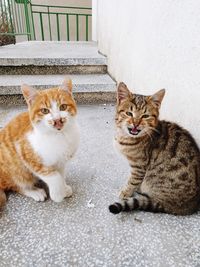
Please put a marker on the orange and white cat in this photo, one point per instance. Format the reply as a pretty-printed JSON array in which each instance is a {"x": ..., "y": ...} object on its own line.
[{"x": 38, "y": 144}]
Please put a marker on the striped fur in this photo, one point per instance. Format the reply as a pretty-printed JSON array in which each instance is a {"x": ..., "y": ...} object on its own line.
[
  {"x": 164, "y": 158},
  {"x": 139, "y": 201}
]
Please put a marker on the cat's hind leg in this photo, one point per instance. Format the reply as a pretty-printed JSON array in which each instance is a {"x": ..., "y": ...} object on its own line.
[
  {"x": 26, "y": 186},
  {"x": 2, "y": 198},
  {"x": 38, "y": 194}
]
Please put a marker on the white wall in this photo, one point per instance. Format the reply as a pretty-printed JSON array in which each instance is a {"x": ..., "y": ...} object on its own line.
[
  {"x": 94, "y": 19},
  {"x": 154, "y": 44}
]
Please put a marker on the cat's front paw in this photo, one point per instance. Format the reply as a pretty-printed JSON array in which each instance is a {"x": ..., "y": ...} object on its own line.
[
  {"x": 38, "y": 194},
  {"x": 58, "y": 194},
  {"x": 126, "y": 193}
]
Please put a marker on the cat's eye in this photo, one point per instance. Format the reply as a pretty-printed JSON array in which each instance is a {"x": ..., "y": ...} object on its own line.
[
  {"x": 63, "y": 107},
  {"x": 45, "y": 110},
  {"x": 129, "y": 113},
  {"x": 145, "y": 116}
]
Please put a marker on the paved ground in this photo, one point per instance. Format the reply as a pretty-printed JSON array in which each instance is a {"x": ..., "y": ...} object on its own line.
[{"x": 80, "y": 231}]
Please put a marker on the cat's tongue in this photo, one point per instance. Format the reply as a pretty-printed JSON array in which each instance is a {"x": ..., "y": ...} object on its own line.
[
  {"x": 58, "y": 124},
  {"x": 134, "y": 130}
]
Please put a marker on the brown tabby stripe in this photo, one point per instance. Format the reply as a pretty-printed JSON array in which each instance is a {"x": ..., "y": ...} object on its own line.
[
  {"x": 138, "y": 178},
  {"x": 135, "y": 142},
  {"x": 135, "y": 204},
  {"x": 165, "y": 138},
  {"x": 126, "y": 207},
  {"x": 173, "y": 168},
  {"x": 139, "y": 102},
  {"x": 183, "y": 161},
  {"x": 137, "y": 174},
  {"x": 183, "y": 176},
  {"x": 134, "y": 159},
  {"x": 127, "y": 144},
  {"x": 134, "y": 184},
  {"x": 135, "y": 166},
  {"x": 174, "y": 146}
]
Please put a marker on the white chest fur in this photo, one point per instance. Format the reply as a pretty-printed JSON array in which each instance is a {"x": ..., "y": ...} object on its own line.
[{"x": 55, "y": 148}]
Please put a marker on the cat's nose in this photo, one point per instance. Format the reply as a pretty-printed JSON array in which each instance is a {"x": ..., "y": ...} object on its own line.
[
  {"x": 58, "y": 124},
  {"x": 135, "y": 125}
]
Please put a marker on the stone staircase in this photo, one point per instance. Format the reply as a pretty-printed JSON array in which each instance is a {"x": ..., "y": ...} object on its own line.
[{"x": 45, "y": 64}]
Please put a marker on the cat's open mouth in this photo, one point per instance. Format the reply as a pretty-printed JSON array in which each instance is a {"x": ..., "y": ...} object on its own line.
[{"x": 134, "y": 130}]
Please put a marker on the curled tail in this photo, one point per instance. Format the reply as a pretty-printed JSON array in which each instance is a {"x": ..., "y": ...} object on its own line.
[
  {"x": 2, "y": 198},
  {"x": 139, "y": 201}
]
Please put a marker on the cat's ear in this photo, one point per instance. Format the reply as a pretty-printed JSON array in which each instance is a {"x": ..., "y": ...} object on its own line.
[
  {"x": 67, "y": 85},
  {"x": 122, "y": 92},
  {"x": 157, "y": 98},
  {"x": 29, "y": 93}
]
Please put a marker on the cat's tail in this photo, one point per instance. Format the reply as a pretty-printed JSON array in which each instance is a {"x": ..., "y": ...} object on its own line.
[
  {"x": 2, "y": 198},
  {"x": 139, "y": 201}
]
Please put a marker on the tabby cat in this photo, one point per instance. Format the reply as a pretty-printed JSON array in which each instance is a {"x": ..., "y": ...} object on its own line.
[
  {"x": 164, "y": 158},
  {"x": 38, "y": 143}
]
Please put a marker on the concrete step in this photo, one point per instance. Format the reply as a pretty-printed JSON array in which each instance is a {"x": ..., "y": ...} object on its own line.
[
  {"x": 52, "y": 58},
  {"x": 95, "y": 88}
]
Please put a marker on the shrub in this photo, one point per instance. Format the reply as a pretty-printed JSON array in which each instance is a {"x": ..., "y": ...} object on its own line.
[{"x": 6, "y": 27}]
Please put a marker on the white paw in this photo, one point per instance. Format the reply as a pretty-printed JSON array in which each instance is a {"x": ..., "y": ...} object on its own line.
[
  {"x": 37, "y": 194},
  {"x": 59, "y": 193}
]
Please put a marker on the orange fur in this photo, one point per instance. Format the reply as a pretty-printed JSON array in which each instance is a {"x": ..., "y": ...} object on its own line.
[{"x": 18, "y": 161}]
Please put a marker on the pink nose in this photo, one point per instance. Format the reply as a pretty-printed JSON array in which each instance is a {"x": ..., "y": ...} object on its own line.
[
  {"x": 135, "y": 125},
  {"x": 58, "y": 124}
]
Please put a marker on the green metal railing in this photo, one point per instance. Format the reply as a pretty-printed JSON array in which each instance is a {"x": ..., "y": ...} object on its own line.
[
  {"x": 45, "y": 22},
  {"x": 65, "y": 18}
]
